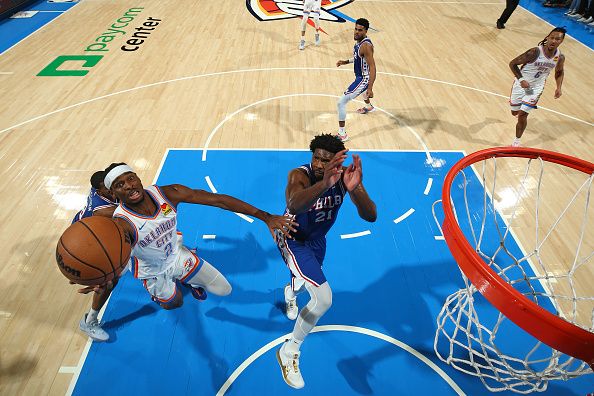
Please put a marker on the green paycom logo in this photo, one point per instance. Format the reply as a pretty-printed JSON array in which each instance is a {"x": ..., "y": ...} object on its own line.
[{"x": 80, "y": 65}]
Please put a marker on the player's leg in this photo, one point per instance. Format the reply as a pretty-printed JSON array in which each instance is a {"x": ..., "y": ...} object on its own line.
[
  {"x": 164, "y": 291},
  {"x": 295, "y": 285},
  {"x": 515, "y": 103},
  {"x": 316, "y": 18},
  {"x": 368, "y": 108},
  {"x": 355, "y": 89},
  {"x": 198, "y": 274},
  {"x": 306, "y": 10},
  {"x": 305, "y": 263},
  {"x": 89, "y": 323},
  {"x": 529, "y": 102}
]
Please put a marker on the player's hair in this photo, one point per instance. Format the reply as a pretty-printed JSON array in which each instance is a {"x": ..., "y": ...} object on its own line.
[
  {"x": 363, "y": 22},
  {"x": 327, "y": 142},
  {"x": 97, "y": 178},
  {"x": 113, "y": 165},
  {"x": 557, "y": 29}
]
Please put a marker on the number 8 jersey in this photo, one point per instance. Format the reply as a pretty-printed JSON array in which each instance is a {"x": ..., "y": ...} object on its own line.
[
  {"x": 156, "y": 242},
  {"x": 319, "y": 218}
]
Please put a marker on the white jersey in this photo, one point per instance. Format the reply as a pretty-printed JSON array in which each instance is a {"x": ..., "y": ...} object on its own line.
[
  {"x": 155, "y": 241},
  {"x": 536, "y": 72}
]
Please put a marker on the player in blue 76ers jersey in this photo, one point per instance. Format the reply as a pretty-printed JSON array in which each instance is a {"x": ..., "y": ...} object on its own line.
[
  {"x": 364, "y": 66},
  {"x": 314, "y": 194},
  {"x": 149, "y": 217}
]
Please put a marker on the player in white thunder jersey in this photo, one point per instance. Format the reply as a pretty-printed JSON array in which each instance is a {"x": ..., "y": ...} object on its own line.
[
  {"x": 310, "y": 7},
  {"x": 148, "y": 216},
  {"x": 364, "y": 67},
  {"x": 536, "y": 65}
]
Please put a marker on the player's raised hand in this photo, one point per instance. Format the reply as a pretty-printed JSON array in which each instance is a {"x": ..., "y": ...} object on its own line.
[
  {"x": 353, "y": 174},
  {"x": 285, "y": 224},
  {"x": 333, "y": 169}
]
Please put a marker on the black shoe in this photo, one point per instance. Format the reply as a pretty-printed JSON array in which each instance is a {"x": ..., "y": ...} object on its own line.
[{"x": 500, "y": 25}]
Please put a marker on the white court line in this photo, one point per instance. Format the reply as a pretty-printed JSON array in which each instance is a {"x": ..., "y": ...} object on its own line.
[
  {"x": 208, "y": 236},
  {"x": 351, "y": 329},
  {"x": 268, "y": 70},
  {"x": 50, "y": 11},
  {"x": 432, "y": 2},
  {"x": 404, "y": 216},
  {"x": 428, "y": 187},
  {"x": 67, "y": 370},
  {"x": 214, "y": 190},
  {"x": 229, "y": 116},
  {"x": 439, "y": 238},
  {"x": 355, "y": 235},
  {"x": 6, "y": 73}
]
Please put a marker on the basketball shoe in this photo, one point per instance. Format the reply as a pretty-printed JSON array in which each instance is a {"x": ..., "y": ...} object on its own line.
[
  {"x": 343, "y": 137},
  {"x": 516, "y": 143},
  {"x": 291, "y": 308},
  {"x": 317, "y": 38},
  {"x": 289, "y": 364},
  {"x": 93, "y": 330},
  {"x": 302, "y": 44}
]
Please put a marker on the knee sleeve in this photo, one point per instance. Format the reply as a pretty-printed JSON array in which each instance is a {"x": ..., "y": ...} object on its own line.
[
  {"x": 341, "y": 106},
  {"x": 211, "y": 280}
]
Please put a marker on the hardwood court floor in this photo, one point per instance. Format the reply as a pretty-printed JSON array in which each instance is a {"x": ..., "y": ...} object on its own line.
[{"x": 443, "y": 77}]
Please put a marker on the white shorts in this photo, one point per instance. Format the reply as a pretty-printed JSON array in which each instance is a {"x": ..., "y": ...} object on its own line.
[
  {"x": 524, "y": 99},
  {"x": 312, "y": 5},
  {"x": 163, "y": 288}
]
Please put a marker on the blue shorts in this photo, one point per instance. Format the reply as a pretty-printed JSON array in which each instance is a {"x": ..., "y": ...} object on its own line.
[
  {"x": 357, "y": 87},
  {"x": 304, "y": 259}
]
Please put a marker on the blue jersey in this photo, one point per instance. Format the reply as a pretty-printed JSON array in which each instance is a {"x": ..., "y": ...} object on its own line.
[
  {"x": 319, "y": 218},
  {"x": 94, "y": 202},
  {"x": 361, "y": 66}
]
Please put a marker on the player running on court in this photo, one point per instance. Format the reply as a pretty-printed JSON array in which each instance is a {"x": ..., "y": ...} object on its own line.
[
  {"x": 314, "y": 195},
  {"x": 310, "y": 7},
  {"x": 536, "y": 65},
  {"x": 149, "y": 217},
  {"x": 364, "y": 66}
]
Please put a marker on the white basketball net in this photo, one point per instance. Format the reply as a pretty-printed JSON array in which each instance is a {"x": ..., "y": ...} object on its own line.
[{"x": 555, "y": 270}]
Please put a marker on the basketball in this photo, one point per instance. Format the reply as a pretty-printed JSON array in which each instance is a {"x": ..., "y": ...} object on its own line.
[{"x": 92, "y": 251}]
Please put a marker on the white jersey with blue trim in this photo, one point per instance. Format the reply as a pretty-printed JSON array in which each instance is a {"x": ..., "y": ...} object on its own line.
[
  {"x": 360, "y": 63},
  {"x": 536, "y": 72},
  {"x": 155, "y": 241}
]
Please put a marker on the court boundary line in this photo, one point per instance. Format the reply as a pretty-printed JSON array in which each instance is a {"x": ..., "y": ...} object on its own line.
[
  {"x": 273, "y": 69},
  {"x": 346, "y": 328}
]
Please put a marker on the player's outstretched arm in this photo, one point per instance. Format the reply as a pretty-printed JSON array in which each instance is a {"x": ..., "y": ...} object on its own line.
[
  {"x": 300, "y": 194},
  {"x": 177, "y": 193},
  {"x": 353, "y": 181}
]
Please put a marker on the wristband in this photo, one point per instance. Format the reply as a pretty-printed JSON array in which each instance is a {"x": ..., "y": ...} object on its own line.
[{"x": 352, "y": 60}]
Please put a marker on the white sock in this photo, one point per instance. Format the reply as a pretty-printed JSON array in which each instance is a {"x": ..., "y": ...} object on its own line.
[
  {"x": 92, "y": 316},
  {"x": 341, "y": 130},
  {"x": 292, "y": 346}
]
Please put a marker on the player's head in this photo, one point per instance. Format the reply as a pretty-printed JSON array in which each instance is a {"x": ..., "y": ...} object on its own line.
[
  {"x": 97, "y": 182},
  {"x": 124, "y": 183},
  {"x": 323, "y": 147},
  {"x": 554, "y": 38},
  {"x": 361, "y": 27}
]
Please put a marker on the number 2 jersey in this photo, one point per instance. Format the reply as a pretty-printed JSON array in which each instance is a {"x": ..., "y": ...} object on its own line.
[
  {"x": 319, "y": 218},
  {"x": 156, "y": 242}
]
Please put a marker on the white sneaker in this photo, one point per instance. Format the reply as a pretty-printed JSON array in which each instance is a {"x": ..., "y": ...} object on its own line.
[
  {"x": 516, "y": 143},
  {"x": 291, "y": 308},
  {"x": 93, "y": 329},
  {"x": 589, "y": 20},
  {"x": 317, "y": 39},
  {"x": 302, "y": 45},
  {"x": 343, "y": 137},
  {"x": 289, "y": 365}
]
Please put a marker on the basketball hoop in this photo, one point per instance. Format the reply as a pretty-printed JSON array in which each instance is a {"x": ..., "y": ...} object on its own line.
[{"x": 525, "y": 294}]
